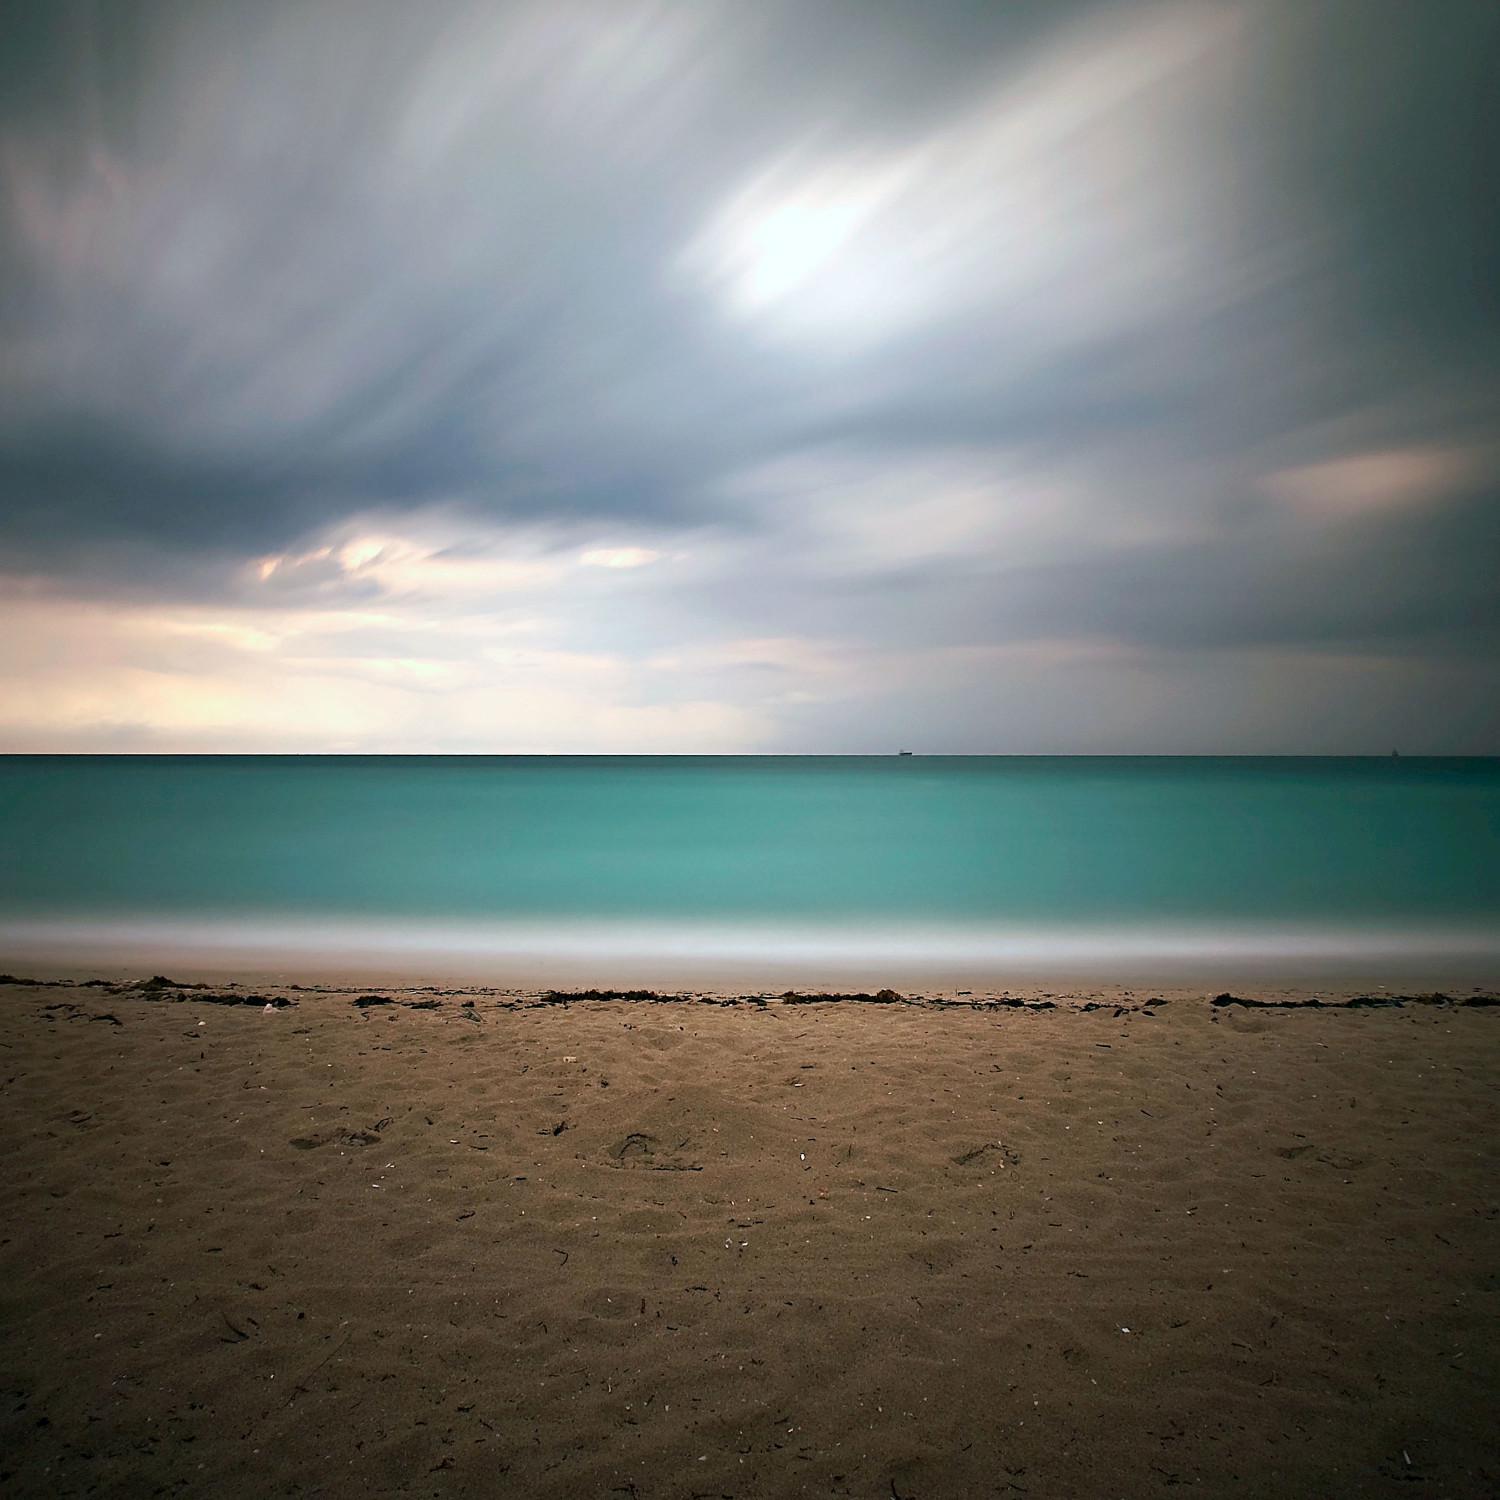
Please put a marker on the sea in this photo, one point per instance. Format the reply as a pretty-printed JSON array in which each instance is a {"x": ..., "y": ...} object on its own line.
[{"x": 796, "y": 869}]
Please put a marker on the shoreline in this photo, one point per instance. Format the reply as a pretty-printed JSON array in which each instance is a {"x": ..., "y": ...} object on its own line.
[
  {"x": 772, "y": 971},
  {"x": 249, "y": 988},
  {"x": 760, "y": 954}
]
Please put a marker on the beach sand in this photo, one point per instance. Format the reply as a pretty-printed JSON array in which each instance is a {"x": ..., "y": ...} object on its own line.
[{"x": 465, "y": 1243}]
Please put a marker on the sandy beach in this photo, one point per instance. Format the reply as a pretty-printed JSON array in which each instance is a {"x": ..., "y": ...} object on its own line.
[{"x": 348, "y": 1241}]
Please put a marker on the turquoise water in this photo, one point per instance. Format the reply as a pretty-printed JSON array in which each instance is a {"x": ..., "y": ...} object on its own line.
[{"x": 1072, "y": 855}]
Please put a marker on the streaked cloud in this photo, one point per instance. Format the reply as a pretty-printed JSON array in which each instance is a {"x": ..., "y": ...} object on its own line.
[{"x": 1371, "y": 482}]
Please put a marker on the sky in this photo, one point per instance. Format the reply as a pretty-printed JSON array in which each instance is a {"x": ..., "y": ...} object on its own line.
[{"x": 782, "y": 377}]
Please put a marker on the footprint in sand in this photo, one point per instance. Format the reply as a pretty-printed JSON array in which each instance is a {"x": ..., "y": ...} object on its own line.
[
  {"x": 341, "y": 1134},
  {"x": 638, "y": 1149}
]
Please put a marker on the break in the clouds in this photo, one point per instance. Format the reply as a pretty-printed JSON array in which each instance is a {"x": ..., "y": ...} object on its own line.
[{"x": 618, "y": 376}]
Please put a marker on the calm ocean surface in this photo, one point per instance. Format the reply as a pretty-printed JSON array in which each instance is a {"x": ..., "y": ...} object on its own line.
[{"x": 1067, "y": 862}]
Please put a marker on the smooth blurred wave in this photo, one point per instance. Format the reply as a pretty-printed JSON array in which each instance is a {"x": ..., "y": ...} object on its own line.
[{"x": 604, "y": 952}]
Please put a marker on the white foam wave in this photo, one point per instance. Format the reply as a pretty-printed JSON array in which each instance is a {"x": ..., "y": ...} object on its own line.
[{"x": 622, "y": 951}]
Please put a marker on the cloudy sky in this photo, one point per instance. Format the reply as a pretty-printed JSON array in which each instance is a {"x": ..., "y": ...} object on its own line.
[{"x": 570, "y": 376}]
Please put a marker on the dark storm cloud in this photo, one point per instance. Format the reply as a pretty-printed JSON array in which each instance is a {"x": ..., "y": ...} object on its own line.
[
  {"x": 1172, "y": 327},
  {"x": 1428, "y": 585},
  {"x": 1386, "y": 116},
  {"x": 272, "y": 265}
]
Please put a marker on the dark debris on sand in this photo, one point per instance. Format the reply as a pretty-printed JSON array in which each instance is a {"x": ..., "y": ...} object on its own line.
[
  {"x": 880, "y": 997},
  {"x": 1358, "y": 1002},
  {"x": 211, "y": 997},
  {"x": 160, "y": 988},
  {"x": 569, "y": 997}
]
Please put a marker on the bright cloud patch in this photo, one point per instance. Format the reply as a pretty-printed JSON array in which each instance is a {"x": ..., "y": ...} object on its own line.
[{"x": 619, "y": 557}]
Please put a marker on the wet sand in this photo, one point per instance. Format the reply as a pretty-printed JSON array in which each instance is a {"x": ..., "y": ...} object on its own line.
[{"x": 471, "y": 1243}]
